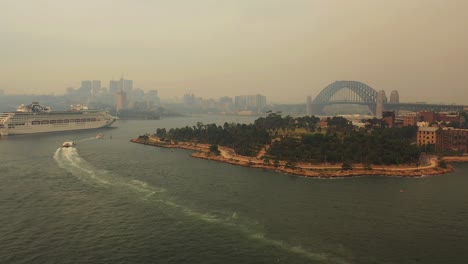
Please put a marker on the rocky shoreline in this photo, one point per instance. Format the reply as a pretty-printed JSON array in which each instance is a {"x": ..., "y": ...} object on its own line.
[{"x": 228, "y": 155}]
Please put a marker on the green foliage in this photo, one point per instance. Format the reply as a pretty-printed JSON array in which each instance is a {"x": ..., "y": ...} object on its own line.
[
  {"x": 144, "y": 137},
  {"x": 376, "y": 123},
  {"x": 375, "y": 145},
  {"x": 339, "y": 124},
  {"x": 442, "y": 164},
  {"x": 244, "y": 139},
  {"x": 464, "y": 117},
  {"x": 275, "y": 122},
  {"x": 379, "y": 146},
  {"x": 214, "y": 149}
]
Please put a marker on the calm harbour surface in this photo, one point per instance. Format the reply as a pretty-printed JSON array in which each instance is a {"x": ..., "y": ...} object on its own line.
[{"x": 112, "y": 201}]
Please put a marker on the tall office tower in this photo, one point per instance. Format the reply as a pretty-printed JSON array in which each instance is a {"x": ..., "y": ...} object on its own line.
[
  {"x": 394, "y": 97},
  {"x": 260, "y": 102},
  {"x": 127, "y": 85},
  {"x": 2, "y": 92},
  {"x": 250, "y": 102},
  {"x": 240, "y": 101},
  {"x": 152, "y": 95},
  {"x": 309, "y": 106},
  {"x": 121, "y": 100},
  {"x": 96, "y": 87},
  {"x": 122, "y": 84},
  {"x": 114, "y": 87},
  {"x": 381, "y": 99},
  {"x": 86, "y": 86}
]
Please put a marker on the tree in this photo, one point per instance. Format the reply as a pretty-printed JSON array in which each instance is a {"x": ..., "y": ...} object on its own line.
[
  {"x": 214, "y": 149},
  {"x": 442, "y": 164},
  {"x": 346, "y": 165}
]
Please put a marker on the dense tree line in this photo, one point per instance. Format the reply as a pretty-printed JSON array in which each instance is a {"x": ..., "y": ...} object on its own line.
[
  {"x": 340, "y": 143},
  {"x": 244, "y": 139},
  {"x": 274, "y": 121},
  {"x": 378, "y": 146}
]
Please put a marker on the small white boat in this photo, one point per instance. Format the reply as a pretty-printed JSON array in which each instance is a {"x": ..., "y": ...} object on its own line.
[
  {"x": 100, "y": 136},
  {"x": 68, "y": 144}
]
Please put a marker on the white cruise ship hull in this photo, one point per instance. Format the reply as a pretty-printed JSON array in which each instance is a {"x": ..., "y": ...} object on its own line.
[{"x": 31, "y": 123}]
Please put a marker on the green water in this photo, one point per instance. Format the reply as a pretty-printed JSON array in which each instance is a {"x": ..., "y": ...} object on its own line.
[{"x": 112, "y": 201}]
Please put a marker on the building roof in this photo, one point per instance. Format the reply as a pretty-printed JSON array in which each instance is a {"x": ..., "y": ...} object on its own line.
[{"x": 429, "y": 129}]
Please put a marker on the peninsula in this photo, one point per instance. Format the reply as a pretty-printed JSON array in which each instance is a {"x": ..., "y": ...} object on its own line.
[
  {"x": 299, "y": 146},
  {"x": 227, "y": 155}
]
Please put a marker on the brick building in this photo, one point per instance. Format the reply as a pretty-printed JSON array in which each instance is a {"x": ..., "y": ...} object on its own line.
[
  {"x": 389, "y": 118},
  {"x": 427, "y": 136},
  {"x": 452, "y": 139},
  {"x": 409, "y": 120},
  {"x": 427, "y": 116}
]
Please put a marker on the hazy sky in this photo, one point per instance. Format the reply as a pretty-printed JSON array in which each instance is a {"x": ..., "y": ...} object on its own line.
[{"x": 284, "y": 49}]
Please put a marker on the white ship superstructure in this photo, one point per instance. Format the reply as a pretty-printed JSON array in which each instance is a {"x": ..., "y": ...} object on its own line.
[{"x": 35, "y": 118}]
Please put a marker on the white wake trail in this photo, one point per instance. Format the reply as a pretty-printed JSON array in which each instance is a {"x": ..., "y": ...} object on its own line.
[{"x": 70, "y": 160}]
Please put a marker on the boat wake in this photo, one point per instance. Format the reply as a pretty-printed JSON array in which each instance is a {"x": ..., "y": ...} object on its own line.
[{"x": 69, "y": 160}]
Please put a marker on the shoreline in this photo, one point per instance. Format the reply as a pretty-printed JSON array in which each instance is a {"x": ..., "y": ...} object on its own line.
[{"x": 228, "y": 155}]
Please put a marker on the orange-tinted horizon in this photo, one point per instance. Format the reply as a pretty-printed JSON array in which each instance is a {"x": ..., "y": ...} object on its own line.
[{"x": 285, "y": 50}]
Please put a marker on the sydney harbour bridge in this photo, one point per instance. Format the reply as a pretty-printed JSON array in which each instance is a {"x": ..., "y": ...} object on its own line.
[{"x": 358, "y": 93}]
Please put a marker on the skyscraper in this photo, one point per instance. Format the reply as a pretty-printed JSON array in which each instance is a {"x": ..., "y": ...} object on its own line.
[
  {"x": 86, "y": 86},
  {"x": 121, "y": 100},
  {"x": 250, "y": 102},
  {"x": 96, "y": 87},
  {"x": 122, "y": 84}
]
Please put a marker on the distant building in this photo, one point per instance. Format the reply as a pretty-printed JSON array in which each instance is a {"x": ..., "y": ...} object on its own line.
[
  {"x": 121, "y": 100},
  {"x": 240, "y": 102},
  {"x": 309, "y": 106},
  {"x": 122, "y": 84},
  {"x": 444, "y": 139},
  {"x": 189, "y": 100},
  {"x": 2, "y": 92},
  {"x": 389, "y": 118},
  {"x": 225, "y": 99},
  {"x": 431, "y": 117},
  {"x": 409, "y": 120},
  {"x": 427, "y": 136},
  {"x": 447, "y": 118},
  {"x": 250, "y": 102},
  {"x": 86, "y": 87},
  {"x": 427, "y": 116},
  {"x": 453, "y": 139},
  {"x": 95, "y": 87},
  {"x": 152, "y": 97},
  {"x": 137, "y": 94}
]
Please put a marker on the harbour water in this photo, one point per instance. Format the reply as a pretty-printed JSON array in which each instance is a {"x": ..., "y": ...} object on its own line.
[{"x": 112, "y": 201}]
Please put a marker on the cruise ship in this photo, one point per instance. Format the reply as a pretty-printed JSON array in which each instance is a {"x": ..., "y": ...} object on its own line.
[{"x": 34, "y": 118}]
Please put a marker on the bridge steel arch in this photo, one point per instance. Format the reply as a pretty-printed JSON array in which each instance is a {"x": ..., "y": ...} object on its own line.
[{"x": 364, "y": 91}]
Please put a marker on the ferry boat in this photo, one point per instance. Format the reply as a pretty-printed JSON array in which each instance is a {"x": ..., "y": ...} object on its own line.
[
  {"x": 34, "y": 118},
  {"x": 68, "y": 144}
]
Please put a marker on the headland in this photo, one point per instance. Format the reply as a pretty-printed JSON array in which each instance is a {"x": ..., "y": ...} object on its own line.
[{"x": 323, "y": 170}]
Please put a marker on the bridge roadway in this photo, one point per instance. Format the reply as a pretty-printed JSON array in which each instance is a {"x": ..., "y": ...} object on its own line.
[
  {"x": 362, "y": 94},
  {"x": 416, "y": 107}
]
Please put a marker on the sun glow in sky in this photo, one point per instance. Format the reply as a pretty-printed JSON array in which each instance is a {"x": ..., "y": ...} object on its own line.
[{"x": 284, "y": 49}]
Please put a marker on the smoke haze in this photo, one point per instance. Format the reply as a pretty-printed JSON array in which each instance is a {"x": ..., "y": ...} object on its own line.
[{"x": 285, "y": 50}]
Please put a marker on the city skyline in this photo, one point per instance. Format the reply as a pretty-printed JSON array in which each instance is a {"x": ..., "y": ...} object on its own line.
[{"x": 215, "y": 49}]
